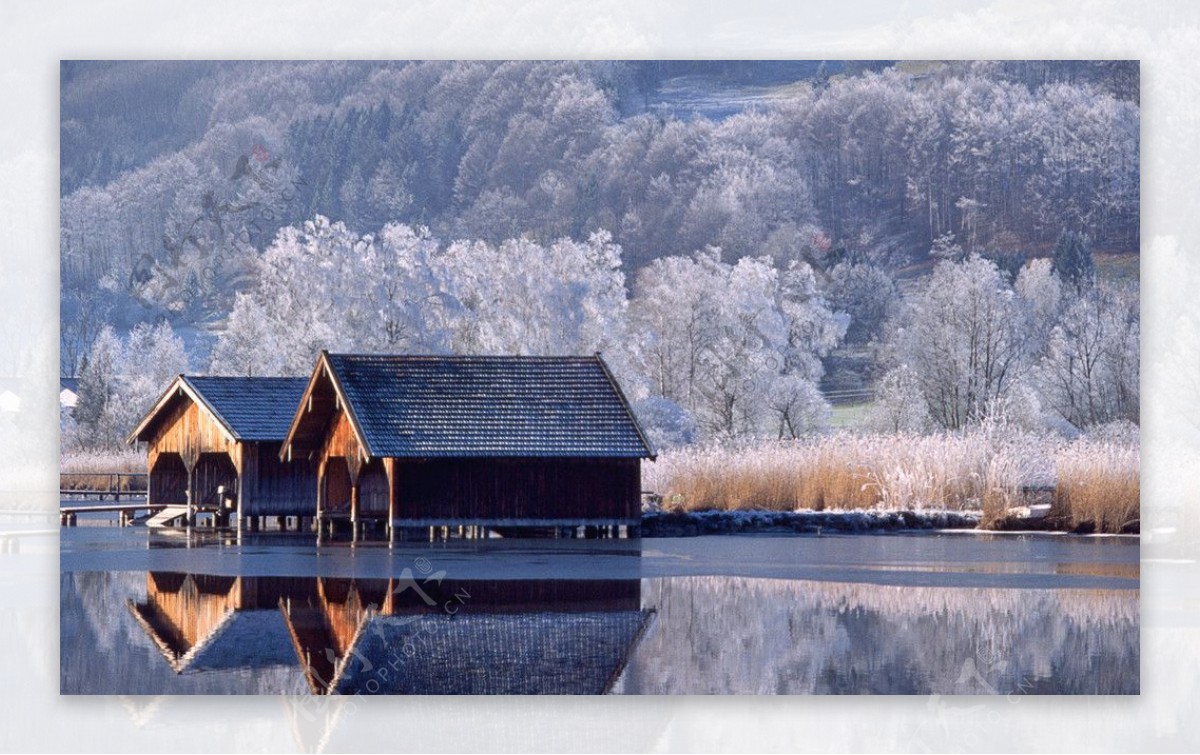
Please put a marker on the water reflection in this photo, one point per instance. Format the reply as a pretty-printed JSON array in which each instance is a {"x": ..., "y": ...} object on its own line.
[
  {"x": 735, "y": 635},
  {"x": 413, "y": 634},
  {"x": 903, "y": 615},
  {"x": 174, "y": 632}
]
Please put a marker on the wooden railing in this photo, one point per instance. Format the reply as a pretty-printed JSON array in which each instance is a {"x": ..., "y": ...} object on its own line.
[{"x": 103, "y": 485}]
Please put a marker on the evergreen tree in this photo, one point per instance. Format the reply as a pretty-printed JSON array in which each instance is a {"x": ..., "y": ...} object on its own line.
[
  {"x": 98, "y": 389},
  {"x": 1073, "y": 261}
]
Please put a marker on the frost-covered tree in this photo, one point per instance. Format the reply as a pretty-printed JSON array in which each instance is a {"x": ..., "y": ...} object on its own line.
[
  {"x": 721, "y": 338},
  {"x": 1089, "y": 374},
  {"x": 796, "y": 406},
  {"x": 961, "y": 334},
  {"x": 674, "y": 314},
  {"x": 322, "y": 286},
  {"x": 899, "y": 404},
  {"x": 813, "y": 330},
  {"x": 308, "y": 292},
  {"x": 521, "y": 297},
  {"x": 248, "y": 345},
  {"x": 402, "y": 285},
  {"x": 121, "y": 380},
  {"x": 867, "y": 294},
  {"x": 152, "y": 357},
  {"x": 166, "y": 212},
  {"x": 749, "y": 349},
  {"x": 667, "y": 423},
  {"x": 1041, "y": 296}
]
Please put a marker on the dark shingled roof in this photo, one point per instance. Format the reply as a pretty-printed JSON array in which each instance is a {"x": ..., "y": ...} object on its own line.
[
  {"x": 253, "y": 408},
  {"x": 477, "y": 406},
  {"x": 492, "y": 654}
]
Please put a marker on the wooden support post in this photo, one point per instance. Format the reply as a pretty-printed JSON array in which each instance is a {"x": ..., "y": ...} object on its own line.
[
  {"x": 151, "y": 459},
  {"x": 191, "y": 458},
  {"x": 320, "y": 499},
  {"x": 389, "y": 469},
  {"x": 354, "y": 465},
  {"x": 190, "y": 517},
  {"x": 239, "y": 459}
]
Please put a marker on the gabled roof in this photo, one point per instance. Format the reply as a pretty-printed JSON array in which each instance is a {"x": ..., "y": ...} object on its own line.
[
  {"x": 249, "y": 408},
  {"x": 239, "y": 640},
  {"x": 481, "y": 406},
  {"x": 534, "y": 653}
]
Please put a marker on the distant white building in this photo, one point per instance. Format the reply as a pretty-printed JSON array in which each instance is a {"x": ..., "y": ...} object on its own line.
[{"x": 68, "y": 392}]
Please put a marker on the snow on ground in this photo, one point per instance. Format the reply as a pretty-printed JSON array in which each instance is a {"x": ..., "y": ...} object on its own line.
[{"x": 676, "y": 524}]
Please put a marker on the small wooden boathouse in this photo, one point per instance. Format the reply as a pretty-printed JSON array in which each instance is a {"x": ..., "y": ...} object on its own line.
[
  {"x": 213, "y": 447},
  {"x": 478, "y": 442}
]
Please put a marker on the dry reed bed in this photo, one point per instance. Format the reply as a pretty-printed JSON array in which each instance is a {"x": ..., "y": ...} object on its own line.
[
  {"x": 90, "y": 470},
  {"x": 990, "y": 471},
  {"x": 1099, "y": 485}
]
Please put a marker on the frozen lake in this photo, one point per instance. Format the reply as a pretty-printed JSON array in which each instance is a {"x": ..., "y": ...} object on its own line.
[{"x": 154, "y": 613}]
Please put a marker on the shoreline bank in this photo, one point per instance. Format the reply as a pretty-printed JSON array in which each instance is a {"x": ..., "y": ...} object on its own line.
[{"x": 717, "y": 522}]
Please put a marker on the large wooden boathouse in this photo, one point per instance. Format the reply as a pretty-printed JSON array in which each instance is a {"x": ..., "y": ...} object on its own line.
[
  {"x": 478, "y": 442},
  {"x": 213, "y": 447}
]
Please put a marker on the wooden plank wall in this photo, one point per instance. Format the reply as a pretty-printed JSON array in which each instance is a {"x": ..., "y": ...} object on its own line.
[
  {"x": 189, "y": 431},
  {"x": 185, "y": 608},
  {"x": 373, "y": 490},
  {"x": 337, "y": 486},
  {"x": 340, "y": 461},
  {"x": 278, "y": 488},
  {"x": 214, "y": 472},
  {"x": 340, "y": 439},
  {"x": 518, "y": 489}
]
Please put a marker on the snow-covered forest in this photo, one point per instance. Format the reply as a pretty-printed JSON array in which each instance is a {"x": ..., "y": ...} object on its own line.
[{"x": 957, "y": 241}]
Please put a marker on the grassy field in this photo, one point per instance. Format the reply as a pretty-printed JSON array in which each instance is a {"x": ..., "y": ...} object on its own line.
[
  {"x": 1123, "y": 267},
  {"x": 849, "y": 415}
]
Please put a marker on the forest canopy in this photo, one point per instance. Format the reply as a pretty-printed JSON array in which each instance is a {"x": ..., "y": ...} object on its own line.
[{"x": 797, "y": 209}]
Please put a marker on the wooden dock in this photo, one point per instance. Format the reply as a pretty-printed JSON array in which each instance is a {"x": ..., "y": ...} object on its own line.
[{"x": 127, "y": 512}]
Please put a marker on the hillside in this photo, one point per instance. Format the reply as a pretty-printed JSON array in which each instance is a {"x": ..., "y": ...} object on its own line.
[{"x": 176, "y": 176}]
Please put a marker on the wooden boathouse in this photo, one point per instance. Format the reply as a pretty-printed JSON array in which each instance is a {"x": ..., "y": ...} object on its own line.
[
  {"x": 473, "y": 442},
  {"x": 213, "y": 447}
]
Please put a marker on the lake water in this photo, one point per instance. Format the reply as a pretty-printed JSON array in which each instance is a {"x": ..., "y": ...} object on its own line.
[{"x": 169, "y": 613}]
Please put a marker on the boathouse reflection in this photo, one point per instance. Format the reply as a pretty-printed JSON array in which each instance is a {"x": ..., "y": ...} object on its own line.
[{"x": 411, "y": 634}]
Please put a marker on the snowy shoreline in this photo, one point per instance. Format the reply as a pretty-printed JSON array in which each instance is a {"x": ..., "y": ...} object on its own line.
[{"x": 691, "y": 523}]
